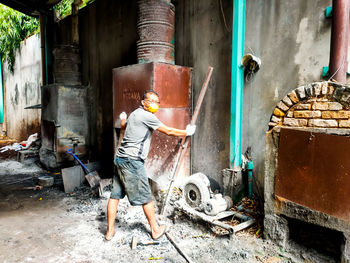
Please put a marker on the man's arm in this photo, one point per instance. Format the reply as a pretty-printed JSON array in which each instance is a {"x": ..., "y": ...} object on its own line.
[
  {"x": 190, "y": 129},
  {"x": 171, "y": 131}
]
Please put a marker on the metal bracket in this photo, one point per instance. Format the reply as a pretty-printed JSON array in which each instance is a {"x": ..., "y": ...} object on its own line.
[{"x": 328, "y": 12}]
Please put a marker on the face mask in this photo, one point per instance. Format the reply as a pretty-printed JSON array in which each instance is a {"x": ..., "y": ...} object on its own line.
[{"x": 153, "y": 107}]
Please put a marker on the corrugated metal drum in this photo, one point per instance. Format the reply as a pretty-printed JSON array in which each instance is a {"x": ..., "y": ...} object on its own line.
[
  {"x": 156, "y": 10},
  {"x": 153, "y": 51},
  {"x": 155, "y": 27},
  {"x": 156, "y": 31}
]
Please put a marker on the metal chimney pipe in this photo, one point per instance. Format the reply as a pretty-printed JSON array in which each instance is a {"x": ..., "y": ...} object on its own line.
[
  {"x": 338, "y": 63},
  {"x": 155, "y": 26}
]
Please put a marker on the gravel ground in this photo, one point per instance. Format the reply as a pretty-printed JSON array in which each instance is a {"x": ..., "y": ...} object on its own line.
[{"x": 51, "y": 226}]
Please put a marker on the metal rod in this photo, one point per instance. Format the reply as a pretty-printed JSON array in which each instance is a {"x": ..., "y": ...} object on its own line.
[
  {"x": 172, "y": 241},
  {"x": 339, "y": 40},
  {"x": 201, "y": 95},
  {"x": 241, "y": 216},
  {"x": 250, "y": 179},
  {"x": 185, "y": 140},
  {"x": 243, "y": 225}
]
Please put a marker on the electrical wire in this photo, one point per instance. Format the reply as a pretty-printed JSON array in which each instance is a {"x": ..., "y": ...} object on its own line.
[
  {"x": 223, "y": 16},
  {"x": 337, "y": 69}
]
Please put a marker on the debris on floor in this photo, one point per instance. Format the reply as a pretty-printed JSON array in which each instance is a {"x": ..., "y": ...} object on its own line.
[
  {"x": 52, "y": 226},
  {"x": 17, "y": 146},
  {"x": 11, "y": 149},
  {"x": 48, "y": 225},
  {"x": 254, "y": 209}
]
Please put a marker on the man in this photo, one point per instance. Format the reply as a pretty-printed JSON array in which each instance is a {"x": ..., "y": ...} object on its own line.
[{"x": 131, "y": 178}]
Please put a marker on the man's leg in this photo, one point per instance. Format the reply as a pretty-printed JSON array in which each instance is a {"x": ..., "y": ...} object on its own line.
[
  {"x": 111, "y": 215},
  {"x": 156, "y": 230}
]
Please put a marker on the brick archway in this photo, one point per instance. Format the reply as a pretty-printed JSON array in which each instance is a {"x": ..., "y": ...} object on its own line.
[{"x": 319, "y": 104}]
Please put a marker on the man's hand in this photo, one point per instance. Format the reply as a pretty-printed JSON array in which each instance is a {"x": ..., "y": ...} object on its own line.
[
  {"x": 122, "y": 115},
  {"x": 190, "y": 129},
  {"x": 122, "y": 118}
]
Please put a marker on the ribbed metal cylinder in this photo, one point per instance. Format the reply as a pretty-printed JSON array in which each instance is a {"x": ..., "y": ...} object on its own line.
[
  {"x": 155, "y": 26},
  {"x": 155, "y": 52}
]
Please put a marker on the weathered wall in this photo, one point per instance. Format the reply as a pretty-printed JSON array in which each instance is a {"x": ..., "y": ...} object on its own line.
[
  {"x": 292, "y": 38},
  {"x": 22, "y": 89},
  {"x": 201, "y": 39}
]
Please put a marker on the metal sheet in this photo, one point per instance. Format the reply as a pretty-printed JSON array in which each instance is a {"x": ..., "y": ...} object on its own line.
[
  {"x": 314, "y": 171},
  {"x": 173, "y": 86},
  {"x": 174, "y": 117},
  {"x": 164, "y": 149},
  {"x": 48, "y": 135},
  {"x": 170, "y": 81}
]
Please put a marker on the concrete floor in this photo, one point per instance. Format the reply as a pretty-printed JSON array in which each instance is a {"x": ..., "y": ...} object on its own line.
[{"x": 51, "y": 226}]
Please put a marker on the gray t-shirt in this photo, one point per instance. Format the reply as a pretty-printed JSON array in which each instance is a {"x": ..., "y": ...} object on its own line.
[{"x": 138, "y": 134}]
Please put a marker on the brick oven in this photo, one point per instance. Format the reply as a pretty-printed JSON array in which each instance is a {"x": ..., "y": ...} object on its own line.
[{"x": 307, "y": 169}]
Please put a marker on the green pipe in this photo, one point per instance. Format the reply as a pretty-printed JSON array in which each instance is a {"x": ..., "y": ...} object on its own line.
[
  {"x": 250, "y": 179},
  {"x": 237, "y": 76},
  {"x": 1, "y": 96}
]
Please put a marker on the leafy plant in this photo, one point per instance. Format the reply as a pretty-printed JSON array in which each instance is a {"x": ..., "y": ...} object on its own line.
[
  {"x": 64, "y": 8},
  {"x": 14, "y": 27}
]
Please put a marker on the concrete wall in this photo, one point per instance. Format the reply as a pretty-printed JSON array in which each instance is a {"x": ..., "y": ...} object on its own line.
[
  {"x": 22, "y": 89},
  {"x": 292, "y": 38},
  {"x": 201, "y": 39}
]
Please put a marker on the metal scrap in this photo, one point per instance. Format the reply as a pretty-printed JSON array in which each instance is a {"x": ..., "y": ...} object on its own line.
[{"x": 182, "y": 205}]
